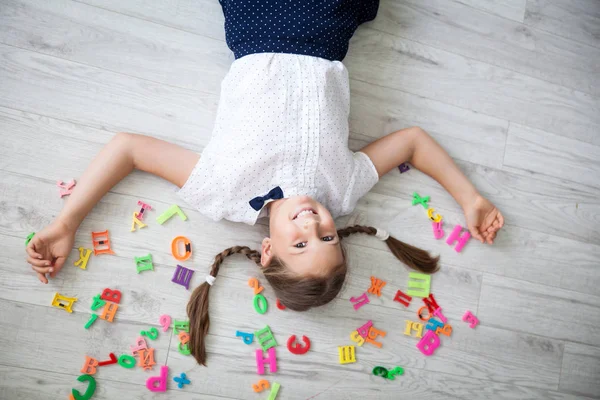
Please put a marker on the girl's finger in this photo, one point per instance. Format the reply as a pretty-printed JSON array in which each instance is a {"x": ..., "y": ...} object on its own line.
[
  {"x": 500, "y": 220},
  {"x": 31, "y": 252},
  {"x": 491, "y": 238},
  {"x": 38, "y": 263},
  {"x": 42, "y": 270},
  {"x": 475, "y": 233},
  {"x": 42, "y": 278},
  {"x": 58, "y": 264}
]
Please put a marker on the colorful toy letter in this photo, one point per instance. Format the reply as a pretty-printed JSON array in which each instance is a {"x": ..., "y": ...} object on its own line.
[
  {"x": 174, "y": 209},
  {"x": 376, "y": 286},
  {"x": 135, "y": 223},
  {"x": 355, "y": 337},
  {"x": 92, "y": 319},
  {"x": 91, "y": 389},
  {"x": 347, "y": 354},
  {"x": 434, "y": 324},
  {"x": 254, "y": 284},
  {"x": 260, "y": 304},
  {"x": 263, "y": 384},
  {"x": 373, "y": 333},
  {"x": 101, "y": 243},
  {"x": 381, "y": 371},
  {"x": 418, "y": 281},
  {"x": 297, "y": 348},
  {"x": 364, "y": 330},
  {"x": 438, "y": 313},
  {"x": 436, "y": 218},
  {"x": 182, "y": 380},
  {"x": 84, "y": 257},
  {"x": 182, "y": 276},
  {"x": 271, "y": 360},
  {"x": 471, "y": 319},
  {"x": 413, "y": 326},
  {"x": 395, "y": 372},
  {"x": 89, "y": 366},
  {"x": 158, "y": 383},
  {"x": 403, "y": 167},
  {"x": 274, "y": 391},
  {"x": 187, "y": 248},
  {"x": 420, "y": 200},
  {"x": 462, "y": 239},
  {"x": 145, "y": 207},
  {"x": 248, "y": 338},
  {"x": 111, "y": 295},
  {"x": 429, "y": 343},
  {"x": 112, "y": 359},
  {"x": 63, "y": 302},
  {"x": 68, "y": 188},
  {"x": 144, "y": 263},
  {"x": 403, "y": 298},
  {"x": 265, "y": 338},
  {"x": 28, "y": 238},
  {"x": 279, "y": 305},
  {"x": 126, "y": 361},
  {"x": 420, "y": 314},
  {"x": 445, "y": 330},
  {"x": 431, "y": 304},
  {"x": 165, "y": 321},
  {"x": 146, "y": 360},
  {"x": 139, "y": 345},
  {"x": 110, "y": 309},
  {"x": 152, "y": 333},
  {"x": 438, "y": 232},
  {"x": 98, "y": 303},
  {"x": 360, "y": 301}
]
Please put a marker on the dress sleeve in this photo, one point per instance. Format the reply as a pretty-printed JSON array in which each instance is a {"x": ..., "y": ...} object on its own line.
[{"x": 364, "y": 177}]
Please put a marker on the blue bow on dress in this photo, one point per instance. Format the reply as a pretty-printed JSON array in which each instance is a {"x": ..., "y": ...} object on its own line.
[{"x": 258, "y": 202}]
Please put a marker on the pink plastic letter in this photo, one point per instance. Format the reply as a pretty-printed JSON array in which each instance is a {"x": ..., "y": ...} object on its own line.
[
  {"x": 161, "y": 380},
  {"x": 360, "y": 300},
  {"x": 438, "y": 313},
  {"x": 271, "y": 360},
  {"x": 364, "y": 330},
  {"x": 471, "y": 319},
  {"x": 438, "y": 232},
  {"x": 429, "y": 343},
  {"x": 462, "y": 239}
]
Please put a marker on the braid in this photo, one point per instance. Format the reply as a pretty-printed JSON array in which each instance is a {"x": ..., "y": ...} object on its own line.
[
  {"x": 410, "y": 255},
  {"x": 245, "y": 250}
]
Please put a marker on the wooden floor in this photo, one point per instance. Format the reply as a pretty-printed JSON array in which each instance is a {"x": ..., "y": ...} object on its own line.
[{"x": 510, "y": 87}]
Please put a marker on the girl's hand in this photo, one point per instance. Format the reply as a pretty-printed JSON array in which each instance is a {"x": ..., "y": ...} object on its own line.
[
  {"x": 49, "y": 249},
  {"x": 483, "y": 219}
]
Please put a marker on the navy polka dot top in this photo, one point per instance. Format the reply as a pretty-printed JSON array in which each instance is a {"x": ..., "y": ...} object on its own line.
[{"x": 319, "y": 28}]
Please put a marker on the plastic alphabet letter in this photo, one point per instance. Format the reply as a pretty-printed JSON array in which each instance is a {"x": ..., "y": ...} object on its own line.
[
  {"x": 381, "y": 371},
  {"x": 91, "y": 389},
  {"x": 248, "y": 338},
  {"x": 297, "y": 348},
  {"x": 184, "y": 349},
  {"x": 437, "y": 217},
  {"x": 152, "y": 333},
  {"x": 84, "y": 257},
  {"x": 265, "y": 338},
  {"x": 145, "y": 207},
  {"x": 181, "y": 380},
  {"x": 360, "y": 300},
  {"x": 376, "y": 286},
  {"x": 347, "y": 354},
  {"x": 110, "y": 309},
  {"x": 355, "y": 337},
  {"x": 136, "y": 223},
  {"x": 146, "y": 360},
  {"x": 279, "y": 305},
  {"x": 140, "y": 344},
  {"x": 431, "y": 304},
  {"x": 28, "y": 238},
  {"x": 253, "y": 283},
  {"x": 395, "y": 372},
  {"x": 174, "y": 209},
  {"x": 260, "y": 304},
  {"x": 445, "y": 330},
  {"x": 462, "y": 239},
  {"x": 471, "y": 319},
  {"x": 420, "y": 314},
  {"x": 420, "y": 200},
  {"x": 274, "y": 391},
  {"x": 261, "y": 385},
  {"x": 126, "y": 361},
  {"x": 434, "y": 324},
  {"x": 271, "y": 360},
  {"x": 364, "y": 330},
  {"x": 68, "y": 188},
  {"x": 101, "y": 239},
  {"x": 89, "y": 366},
  {"x": 165, "y": 321},
  {"x": 413, "y": 326},
  {"x": 438, "y": 232},
  {"x": 403, "y": 298},
  {"x": 429, "y": 343},
  {"x": 158, "y": 383},
  {"x": 438, "y": 313},
  {"x": 187, "y": 248},
  {"x": 182, "y": 276},
  {"x": 373, "y": 333},
  {"x": 98, "y": 303},
  {"x": 144, "y": 263},
  {"x": 92, "y": 319},
  {"x": 184, "y": 337},
  {"x": 112, "y": 360},
  {"x": 403, "y": 167},
  {"x": 111, "y": 295},
  {"x": 418, "y": 281},
  {"x": 63, "y": 302},
  {"x": 180, "y": 326}
]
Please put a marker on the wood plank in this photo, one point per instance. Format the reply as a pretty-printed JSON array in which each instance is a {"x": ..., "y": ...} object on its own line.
[
  {"x": 580, "y": 370},
  {"x": 376, "y": 57},
  {"x": 551, "y": 312},
  {"x": 74, "y": 92},
  {"x": 550, "y": 154},
  {"x": 575, "y": 19},
  {"x": 449, "y": 25},
  {"x": 511, "y": 9},
  {"x": 113, "y": 41},
  {"x": 375, "y": 113}
]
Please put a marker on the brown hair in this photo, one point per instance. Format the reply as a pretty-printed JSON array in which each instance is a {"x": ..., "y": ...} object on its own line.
[{"x": 298, "y": 293}]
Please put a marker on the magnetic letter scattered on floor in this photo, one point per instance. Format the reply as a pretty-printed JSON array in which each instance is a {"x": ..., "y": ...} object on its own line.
[
  {"x": 403, "y": 298},
  {"x": 146, "y": 360},
  {"x": 101, "y": 243},
  {"x": 438, "y": 231},
  {"x": 248, "y": 338},
  {"x": 364, "y": 330},
  {"x": 145, "y": 207},
  {"x": 84, "y": 257},
  {"x": 261, "y": 361},
  {"x": 111, "y": 295},
  {"x": 174, "y": 209},
  {"x": 297, "y": 348},
  {"x": 470, "y": 319},
  {"x": 360, "y": 300},
  {"x": 110, "y": 309},
  {"x": 265, "y": 338},
  {"x": 355, "y": 337},
  {"x": 376, "y": 286},
  {"x": 431, "y": 304},
  {"x": 182, "y": 276},
  {"x": 144, "y": 263},
  {"x": 187, "y": 248},
  {"x": 347, "y": 354},
  {"x": 89, "y": 391},
  {"x": 418, "y": 284},
  {"x": 429, "y": 343},
  {"x": 89, "y": 366},
  {"x": 158, "y": 383},
  {"x": 413, "y": 326},
  {"x": 462, "y": 239},
  {"x": 420, "y": 200},
  {"x": 136, "y": 223},
  {"x": 67, "y": 188},
  {"x": 66, "y": 303}
]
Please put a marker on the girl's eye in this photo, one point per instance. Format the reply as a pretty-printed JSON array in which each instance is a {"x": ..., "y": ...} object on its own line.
[
  {"x": 327, "y": 238},
  {"x": 300, "y": 245}
]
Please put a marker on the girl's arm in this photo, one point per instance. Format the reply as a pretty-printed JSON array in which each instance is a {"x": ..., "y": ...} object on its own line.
[
  {"x": 414, "y": 145},
  {"x": 50, "y": 247}
]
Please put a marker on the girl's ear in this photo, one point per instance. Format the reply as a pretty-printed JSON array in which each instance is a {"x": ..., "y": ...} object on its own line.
[{"x": 266, "y": 254}]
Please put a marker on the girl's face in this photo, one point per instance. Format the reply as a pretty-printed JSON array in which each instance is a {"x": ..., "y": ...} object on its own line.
[{"x": 303, "y": 236}]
